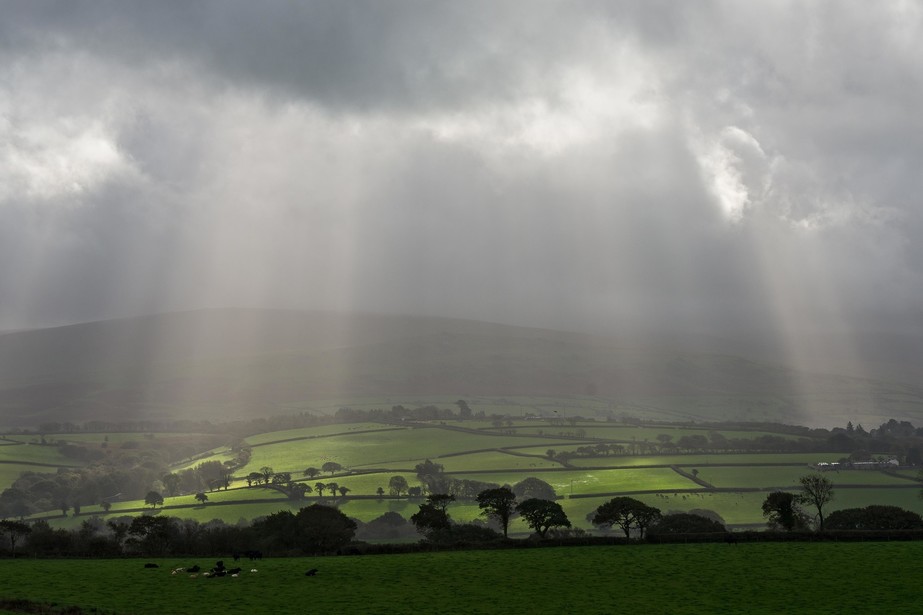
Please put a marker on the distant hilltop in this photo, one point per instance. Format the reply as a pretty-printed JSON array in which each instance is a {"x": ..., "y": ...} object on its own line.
[{"x": 231, "y": 363}]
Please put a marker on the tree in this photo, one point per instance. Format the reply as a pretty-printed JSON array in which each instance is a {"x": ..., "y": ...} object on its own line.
[
  {"x": 281, "y": 478},
  {"x": 331, "y": 467},
  {"x": 322, "y": 529},
  {"x": 153, "y": 499},
  {"x": 152, "y": 533},
  {"x": 431, "y": 475},
  {"x": 817, "y": 491},
  {"x": 542, "y": 515},
  {"x": 875, "y": 517},
  {"x": 333, "y": 489},
  {"x": 498, "y": 504},
  {"x": 170, "y": 483},
  {"x": 464, "y": 411},
  {"x": 14, "y": 531},
  {"x": 254, "y": 477},
  {"x": 267, "y": 473},
  {"x": 319, "y": 488},
  {"x": 343, "y": 490},
  {"x": 297, "y": 491},
  {"x": 201, "y": 497},
  {"x": 397, "y": 485},
  {"x": 380, "y": 491},
  {"x": 685, "y": 523},
  {"x": 64, "y": 506},
  {"x": 430, "y": 519},
  {"x": 106, "y": 505},
  {"x": 311, "y": 472},
  {"x": 782, "y": 512},
  {"x": 627, "y": 513},
  {"x": 531, "y": 487}
]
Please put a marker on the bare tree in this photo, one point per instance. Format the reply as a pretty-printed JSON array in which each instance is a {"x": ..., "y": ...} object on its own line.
[{"x": 817, "y": 491}]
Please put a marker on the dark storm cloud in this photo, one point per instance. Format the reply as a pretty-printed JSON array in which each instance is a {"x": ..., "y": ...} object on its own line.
[{"x": 726, "y": 167}]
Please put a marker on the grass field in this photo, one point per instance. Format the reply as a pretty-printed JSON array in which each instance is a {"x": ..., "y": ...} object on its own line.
[
  {"x": 695, "y": 460},
  {"x": 383, "y": 450},
  {"x": 32, "y": 453},
  {"x": 714, "y": 579},
  {"x": 380, "y": 448}
]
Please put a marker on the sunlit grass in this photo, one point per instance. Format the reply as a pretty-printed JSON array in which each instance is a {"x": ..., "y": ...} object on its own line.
[
  {"x": 696, "y": 459},
  {"x": 313, "y": 432},
  {"x": 36, "y": 453},
  {"x": 578, "y": 482},
  {"x": 493, "y": 460},
  {"x": 391, "y": 449}
]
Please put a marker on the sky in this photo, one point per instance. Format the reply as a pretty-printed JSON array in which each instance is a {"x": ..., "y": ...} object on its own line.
[{"x": 708, "y": 166}]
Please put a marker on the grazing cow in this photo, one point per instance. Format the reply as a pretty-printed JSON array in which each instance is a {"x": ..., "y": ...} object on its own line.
[
  {"x": 730, "y": 539},
  {"x": 151, "y": 566},
  {"x": 236, "y": 556},
  {"x": 234, "y": 571},
  {"x": 195, "y": 568},
  {"x": 310, "y": 573},
  {"x": 254, "y": 555}
]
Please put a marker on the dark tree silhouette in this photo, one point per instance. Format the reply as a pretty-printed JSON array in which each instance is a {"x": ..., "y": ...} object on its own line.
[
  {"x": 542, "y": 515},
  {"x": 816, "y": 491},
  {"x": 532, "y": 487},
  {"x": 14, "y": 530},
  {"x": 782, "y": 512},
  {"x": 397, "y": 485},
  {"x": 153, "y": 499},
  {"x": 499, "y": 504},
  {"x": 685, "y": 523},
  {"x": 627, "y": 513}
]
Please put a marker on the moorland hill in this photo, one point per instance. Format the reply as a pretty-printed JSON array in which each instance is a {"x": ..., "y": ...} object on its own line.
[{"x": 244, "y": 362}]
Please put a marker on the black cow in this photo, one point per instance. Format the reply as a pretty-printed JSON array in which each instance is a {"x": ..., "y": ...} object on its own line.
[
  {"x": 151, "y": 566},
  {"x": 194, "y": 569},
  {"x": 310, "y": 573}
]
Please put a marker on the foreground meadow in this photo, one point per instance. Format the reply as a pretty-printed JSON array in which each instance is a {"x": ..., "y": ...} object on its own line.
[{"x": 815, "y": 578}]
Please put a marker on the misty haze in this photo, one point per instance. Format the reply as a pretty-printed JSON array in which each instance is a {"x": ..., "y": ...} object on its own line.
[{"x": 303, "y": 279}]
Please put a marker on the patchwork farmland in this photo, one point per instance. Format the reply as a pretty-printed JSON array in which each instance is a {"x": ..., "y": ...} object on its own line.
[{"x": 586, "y": 463}]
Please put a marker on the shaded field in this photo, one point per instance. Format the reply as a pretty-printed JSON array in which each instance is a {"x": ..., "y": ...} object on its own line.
[{"x": 759, "y": 578}]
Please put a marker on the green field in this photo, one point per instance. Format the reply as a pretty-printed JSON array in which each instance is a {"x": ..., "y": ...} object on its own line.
[
  {"x": 374, "y": 452},
  {"x": 695, "y": 460},
  {"x": 33, "y": 453},
  {"x": 401, "y": 449},
  {"x": 761, "y": 578}
]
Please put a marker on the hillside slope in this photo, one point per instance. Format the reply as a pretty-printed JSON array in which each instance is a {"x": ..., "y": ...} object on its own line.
[{"x": 231, "y": 363}]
